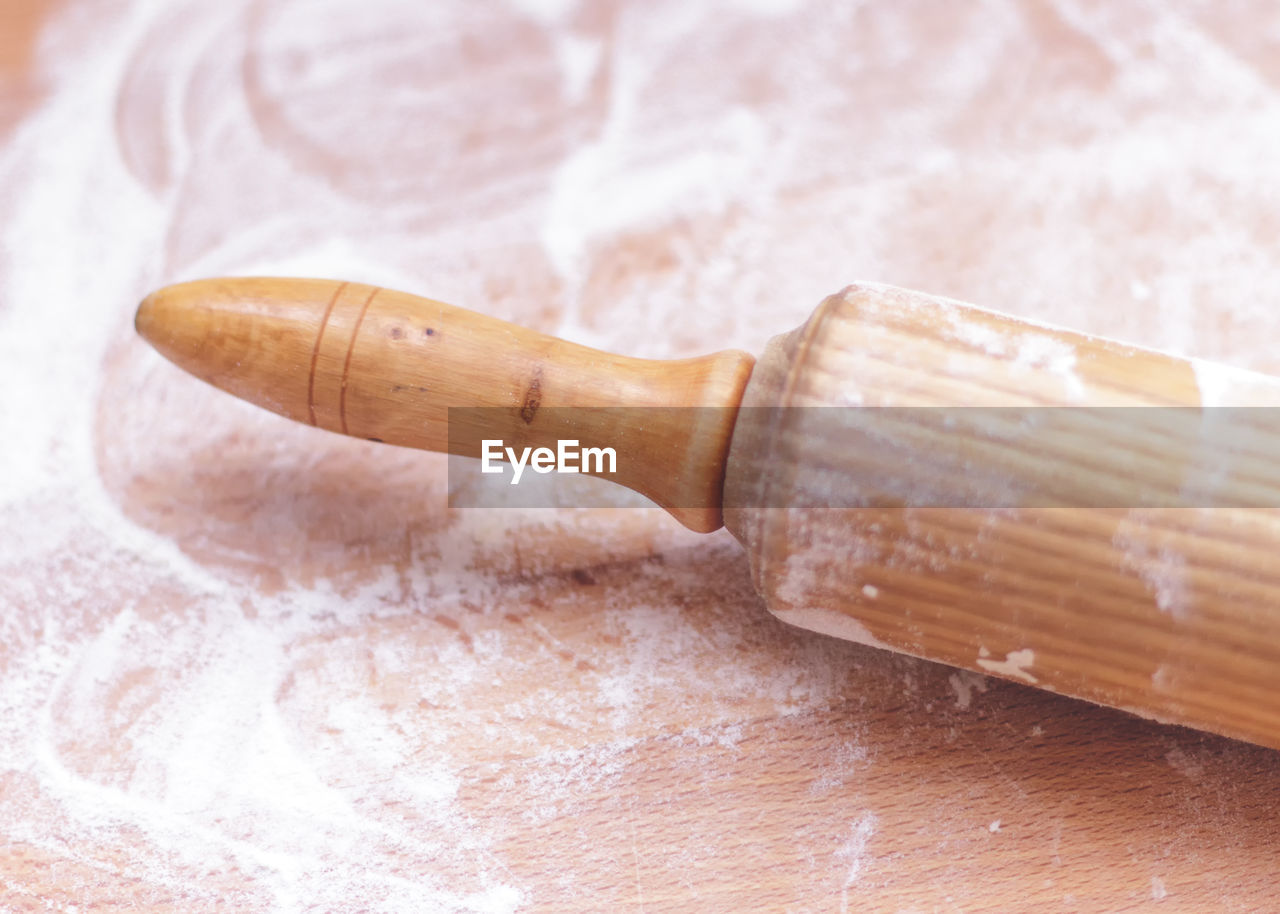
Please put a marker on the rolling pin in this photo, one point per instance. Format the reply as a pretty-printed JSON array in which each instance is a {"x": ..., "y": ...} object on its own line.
[{"x": 905, "y": 471}]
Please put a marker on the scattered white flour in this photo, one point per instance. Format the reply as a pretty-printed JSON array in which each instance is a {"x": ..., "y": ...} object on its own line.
[
  {"x": 769, "y": 7},
  {"x": 1159, "y": 566},
  {"x": 1185, "y": 763},
  {"x": 547, "y": 11},
  {"x": 830, "y": 622},
  {"x": 964, "y": 683},
  {"x": 1158, "y": 891},
  {"x": 265, "y": 682},
  {"x": 1226, "y": 385},
  {"x": 235, "y": 675},
  {"x": 994, "y": 826},
  {"x": 1015, "y": 664},
  {"x": 853, "y": 853},
  {"x": 1038, "y": 353}
]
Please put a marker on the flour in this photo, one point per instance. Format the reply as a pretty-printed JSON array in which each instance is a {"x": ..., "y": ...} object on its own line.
[
  {"x": 1161, "y": 567},
  {"x": 964, "y": 683},
  {"x": 1038, "y": 355},
  {"x": 236, "y": 674},
  {"x": 853, "y": 853},
  {"x": 296, "y": 728},
  {"x": 1015, "y": 665}
]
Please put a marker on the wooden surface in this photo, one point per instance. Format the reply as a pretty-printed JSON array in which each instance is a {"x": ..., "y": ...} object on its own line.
[
  {"x": 247, "y": 664},
  {"x": 1094, "y": 519}
]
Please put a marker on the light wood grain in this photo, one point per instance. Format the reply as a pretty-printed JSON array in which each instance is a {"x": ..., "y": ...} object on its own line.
[
  {"x": 388, "y": 366},
  {"x": 1169, "y": 609}
]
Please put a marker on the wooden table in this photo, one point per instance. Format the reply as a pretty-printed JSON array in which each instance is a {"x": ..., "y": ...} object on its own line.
[{"x": 246, "y": 665}]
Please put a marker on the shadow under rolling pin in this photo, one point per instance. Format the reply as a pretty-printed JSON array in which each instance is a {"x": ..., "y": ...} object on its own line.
[{"x": 905, "y": 471}]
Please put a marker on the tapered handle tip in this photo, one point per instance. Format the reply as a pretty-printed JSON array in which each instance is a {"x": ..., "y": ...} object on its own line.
[
  {"x": 252, "y": 337},
  {"x": 165, "y": 318}
]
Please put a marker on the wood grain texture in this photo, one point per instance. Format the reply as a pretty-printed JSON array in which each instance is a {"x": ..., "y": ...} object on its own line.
[
  {"x": 1169, "y": 610},
  {"x": 388, "y": 366},
  {"x": 249, "y": 665}
]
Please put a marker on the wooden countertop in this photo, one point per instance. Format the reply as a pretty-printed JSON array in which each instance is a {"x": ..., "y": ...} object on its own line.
[{"x": 246, "y": 665}]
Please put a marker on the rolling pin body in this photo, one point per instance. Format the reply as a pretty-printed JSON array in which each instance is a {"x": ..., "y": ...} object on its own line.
[{"x": 1172, "y": 613}]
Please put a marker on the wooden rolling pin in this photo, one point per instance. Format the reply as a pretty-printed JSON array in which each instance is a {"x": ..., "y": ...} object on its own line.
[{"x": 1076, "y": 538}]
